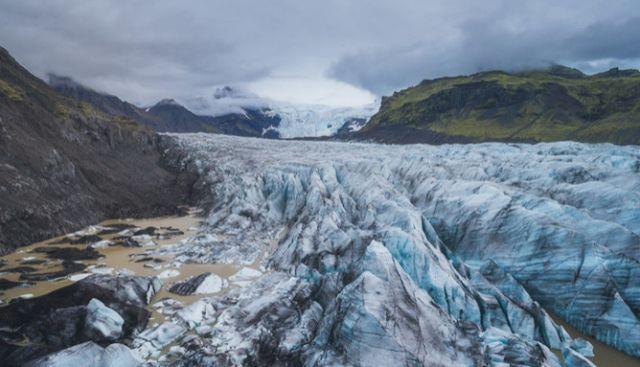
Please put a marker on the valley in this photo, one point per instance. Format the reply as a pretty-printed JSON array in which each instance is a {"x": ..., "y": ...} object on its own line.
[
  {"x": 359, "y": 252},
  {"x": 161, "y": 237}
]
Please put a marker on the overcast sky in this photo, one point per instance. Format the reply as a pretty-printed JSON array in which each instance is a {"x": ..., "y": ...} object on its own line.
[{"x": 336, "y": 52}]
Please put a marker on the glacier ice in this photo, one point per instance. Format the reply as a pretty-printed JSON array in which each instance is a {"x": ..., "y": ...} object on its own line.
[
  {"x": 150, "y": 341},
  {"x": 299, "y": 120},
  {"x": 574, "y": 359},
  {"x": 447, "y": 255},
  {"x": 582, "y": 346},
  {"x": 244, "y": 276},
  {"x": 102, "y": 322},
  {"x": 90, "y": 354}
]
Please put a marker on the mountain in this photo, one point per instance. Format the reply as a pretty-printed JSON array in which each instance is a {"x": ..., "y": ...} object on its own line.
[
  {"x": 228, "y": 111},
  {"x": 177, "y": 118},
  {"x": 170, "y": 116},
  {"x": 65, "y": 163},
  {"x": 558, "y": 103},
  {"x": 259, "y": 122},
  {"x": 166, "y": 116},
  {"x": 107, "y": 103}
]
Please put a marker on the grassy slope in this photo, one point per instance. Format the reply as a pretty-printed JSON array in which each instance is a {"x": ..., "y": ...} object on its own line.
[{"x": 557, "y": 104}]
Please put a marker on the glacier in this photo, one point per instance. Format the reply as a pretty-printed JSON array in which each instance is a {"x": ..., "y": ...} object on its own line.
[
  {"x": 410, "y": 255},
  {"x": 295, "y": 120},
  {"x": 299, "y": 120}
]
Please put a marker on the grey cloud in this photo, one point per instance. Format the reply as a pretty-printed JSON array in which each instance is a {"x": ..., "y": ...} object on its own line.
[
  {"x": 225, "y": 100},
  {"x": 508, "y": 39},
  {"x": 607, "y": 40},
  {"x": 141, "y": 51},
  {"x": 147, "y": 50}
]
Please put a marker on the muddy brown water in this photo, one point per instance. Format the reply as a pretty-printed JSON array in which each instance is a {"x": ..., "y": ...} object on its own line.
[
  {"x": 605, "y": 355},
  {"x": 117, "y": 258}
]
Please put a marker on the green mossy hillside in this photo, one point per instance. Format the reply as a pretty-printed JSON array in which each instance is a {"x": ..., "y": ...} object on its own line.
[{"x": 559, "y": 103}]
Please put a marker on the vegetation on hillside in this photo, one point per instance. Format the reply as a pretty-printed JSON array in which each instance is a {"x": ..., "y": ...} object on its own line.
[{"x": 559, "y": 103}]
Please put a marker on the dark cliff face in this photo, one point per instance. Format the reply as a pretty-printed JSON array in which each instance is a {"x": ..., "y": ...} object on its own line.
[
  {"x": 65, "y": 164},
  {"x": 549, "y": 105}
]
